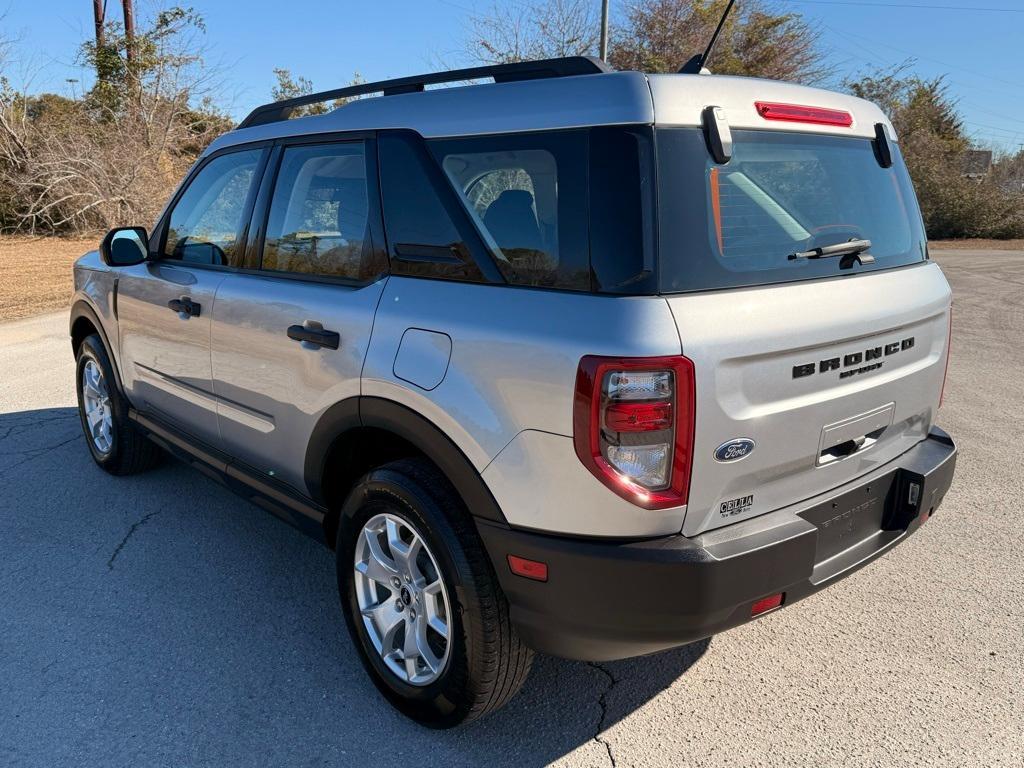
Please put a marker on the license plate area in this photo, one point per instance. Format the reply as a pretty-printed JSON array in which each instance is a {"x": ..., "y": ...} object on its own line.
[
  {"x": 854, "y": 435},
  {"x": 852, "y": 517}
]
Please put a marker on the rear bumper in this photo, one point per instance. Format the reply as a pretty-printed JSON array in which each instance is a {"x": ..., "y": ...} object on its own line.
[{"x": 608, "y": 600}]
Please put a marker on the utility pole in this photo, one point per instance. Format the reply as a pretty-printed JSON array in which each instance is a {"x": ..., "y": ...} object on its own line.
[
  {"x": 604, "y": 29},
  {"x": 129, "y": 30},
  {"x": 97, "y": 14}
]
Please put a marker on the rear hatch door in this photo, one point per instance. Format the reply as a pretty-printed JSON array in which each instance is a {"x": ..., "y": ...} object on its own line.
[{"x": 810, "y": 372}]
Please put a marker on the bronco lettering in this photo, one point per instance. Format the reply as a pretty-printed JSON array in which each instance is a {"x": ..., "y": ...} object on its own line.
[{"x": 851, "y": 362}]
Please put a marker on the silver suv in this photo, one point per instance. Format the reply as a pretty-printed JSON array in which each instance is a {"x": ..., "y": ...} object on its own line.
[{"x": 586, "y": 362}]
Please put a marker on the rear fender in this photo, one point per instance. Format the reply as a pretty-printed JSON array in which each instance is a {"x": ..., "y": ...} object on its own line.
[{"x": 410, "y": 427}]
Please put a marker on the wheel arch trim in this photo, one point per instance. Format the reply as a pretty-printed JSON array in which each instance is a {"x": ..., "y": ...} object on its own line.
[
  {"x": 407, "y": 424},
  {"x": 83, "y": 309}
]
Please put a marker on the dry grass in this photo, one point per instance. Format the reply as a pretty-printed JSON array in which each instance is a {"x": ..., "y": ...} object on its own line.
[
  {"x": 35, "y": 273},
  {"x": 982, "y": 244}
]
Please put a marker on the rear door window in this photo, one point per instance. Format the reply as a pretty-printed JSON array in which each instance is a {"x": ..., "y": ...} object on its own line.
[
  {"x": 319, "y": 214},
  {"x": 744, "y": 222}
]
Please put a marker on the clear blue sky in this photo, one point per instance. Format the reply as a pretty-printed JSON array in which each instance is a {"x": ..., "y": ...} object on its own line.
[{"x": 981, "y": 51}]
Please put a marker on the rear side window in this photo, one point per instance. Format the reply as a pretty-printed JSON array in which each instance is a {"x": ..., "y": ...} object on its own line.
[
  {"x": 319, "y": 214},
  {"x": 206, "y": 222},
  {"x": 527, "y": 196},
  {"x": 743, "y": 223},
  {"x": 569, "y": 210}
]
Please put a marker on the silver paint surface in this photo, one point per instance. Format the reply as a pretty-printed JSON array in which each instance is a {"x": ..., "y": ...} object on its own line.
[
  {"x": 271, "y": 390},
  {"x": 745, "y": 384},
  {"x": 165, "y": 356}
]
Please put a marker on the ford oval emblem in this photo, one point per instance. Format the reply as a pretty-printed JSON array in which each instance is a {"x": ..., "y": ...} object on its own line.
[{"x": 734, "y": 450}]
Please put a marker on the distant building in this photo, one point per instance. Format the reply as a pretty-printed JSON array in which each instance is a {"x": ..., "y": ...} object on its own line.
[{"x": 977, "y": 163}]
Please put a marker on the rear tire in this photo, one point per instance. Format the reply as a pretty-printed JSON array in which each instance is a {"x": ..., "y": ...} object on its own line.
[
  {"x": 483, "y": 663},
  {"x": 116, "y": 444}
]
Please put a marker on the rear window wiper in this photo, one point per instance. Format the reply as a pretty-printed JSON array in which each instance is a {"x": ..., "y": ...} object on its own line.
[{"x": 849, "y": 248}]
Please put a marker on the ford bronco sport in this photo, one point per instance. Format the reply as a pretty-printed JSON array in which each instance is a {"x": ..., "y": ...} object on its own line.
[{"x": 585, "y": 362}]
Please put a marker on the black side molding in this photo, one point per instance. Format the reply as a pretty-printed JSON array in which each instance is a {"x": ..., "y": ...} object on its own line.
[{"x": 265, "y": 492}]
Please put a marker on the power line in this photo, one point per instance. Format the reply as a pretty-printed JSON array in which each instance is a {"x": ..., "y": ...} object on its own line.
[
  {"x": 907, "y": 5},
  {"x": 1011, "y": 131},
  {"x": 976, "y": 108},
  {"x": 975, "y": 129},
  {"x": 959, "y": 69}
]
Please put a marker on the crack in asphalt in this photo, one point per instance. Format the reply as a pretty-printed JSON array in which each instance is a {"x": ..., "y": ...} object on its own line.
[
  {"x": 34, "y": 453},
  {"x": 31, "y": 422},
  {"x": 131, "y": 532},
  {"x": 19, "y": 425},
  {"x": 602, "y": 702}
]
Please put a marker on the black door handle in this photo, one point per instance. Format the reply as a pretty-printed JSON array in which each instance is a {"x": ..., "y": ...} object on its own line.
[
  {"x": 317, "y": 336},
  {"x": 185, "y": 305}
]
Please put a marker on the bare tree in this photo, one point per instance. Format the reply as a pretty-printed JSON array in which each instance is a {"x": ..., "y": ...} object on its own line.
[
  {"x": 661, "y": 35},
  {"x": 538, "y": 30},
  {"x": 653, "y": 36},
  {"x": 113, "y": 156}
]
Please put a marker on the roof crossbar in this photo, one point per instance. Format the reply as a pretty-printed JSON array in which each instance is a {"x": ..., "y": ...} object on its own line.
[{"x": 502, "y": 73}]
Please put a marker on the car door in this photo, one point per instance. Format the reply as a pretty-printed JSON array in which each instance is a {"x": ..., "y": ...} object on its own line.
[
  {"x": 164, "y": 305},
  {"x": 289, "y": 335}
]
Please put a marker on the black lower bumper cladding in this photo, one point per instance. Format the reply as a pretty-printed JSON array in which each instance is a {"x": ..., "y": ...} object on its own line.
[{"x": 609, "y": 600}]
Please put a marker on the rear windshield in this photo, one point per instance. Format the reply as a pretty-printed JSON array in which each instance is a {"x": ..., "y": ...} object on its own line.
[{"x": 781, "y": 194}]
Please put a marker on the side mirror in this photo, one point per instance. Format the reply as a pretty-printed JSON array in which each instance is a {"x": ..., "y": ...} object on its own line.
[{"x": 125, "y": 247}]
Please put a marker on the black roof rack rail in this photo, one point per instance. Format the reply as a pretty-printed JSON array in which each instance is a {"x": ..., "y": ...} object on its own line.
[{"x": 502, "y": 73}]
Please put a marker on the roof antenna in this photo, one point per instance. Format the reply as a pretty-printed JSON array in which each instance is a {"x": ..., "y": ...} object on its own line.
[{"x": 696, "y": 64}]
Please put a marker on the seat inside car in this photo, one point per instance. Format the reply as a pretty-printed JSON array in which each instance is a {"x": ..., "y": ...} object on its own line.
[{"x": 512, "y": 222}]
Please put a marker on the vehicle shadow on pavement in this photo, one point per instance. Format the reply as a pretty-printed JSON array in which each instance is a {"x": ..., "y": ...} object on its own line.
[{"x": 160, "y": 619}]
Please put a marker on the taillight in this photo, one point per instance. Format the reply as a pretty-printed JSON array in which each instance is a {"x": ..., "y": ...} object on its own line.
[
  {"x": 949, "y": 352},
  {"x": 633, "y": 426},
  {"x": 799, "y": 113}
]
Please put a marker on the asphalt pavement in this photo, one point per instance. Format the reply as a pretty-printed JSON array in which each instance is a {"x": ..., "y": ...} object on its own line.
[{"x": 159, "y": 620}]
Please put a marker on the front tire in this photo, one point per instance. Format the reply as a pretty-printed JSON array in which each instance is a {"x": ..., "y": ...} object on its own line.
[
  {"x": 116, "y": 444},
  {"x": 421, "y": 599}
]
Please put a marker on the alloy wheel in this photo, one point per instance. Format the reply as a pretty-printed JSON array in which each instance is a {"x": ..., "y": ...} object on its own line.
[
  {"x": 402, "y": 599},
  {"x": 96, "y": 403}
]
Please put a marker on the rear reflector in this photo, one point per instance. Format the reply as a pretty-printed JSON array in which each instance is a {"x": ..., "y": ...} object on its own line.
[
  {"x": 798, "y": 113},
  {"x": 529, "y": 569},
  {"x": 766, "y": 604}
]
